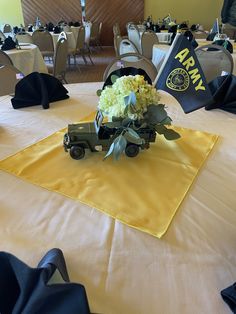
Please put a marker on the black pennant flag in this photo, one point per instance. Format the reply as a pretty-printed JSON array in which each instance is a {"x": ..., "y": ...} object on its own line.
[{"x": 182, "y": 77}]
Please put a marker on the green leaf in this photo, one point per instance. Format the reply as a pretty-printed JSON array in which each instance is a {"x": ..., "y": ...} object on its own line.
[
  {"x": 161, "y": 129},
  {"x": 99, "y": 91},
  {"x": 111, "y": 148},
  {"x": 155, "y": 114},
  {"x": 130, "y": 99},
  {"x": 167, "y": 121},
  {"x": 171, "y": 135},
  {"x": 133, "y": 137},
  {"x": 119, "y": 146},
  {"x": 114, "y": 78}
]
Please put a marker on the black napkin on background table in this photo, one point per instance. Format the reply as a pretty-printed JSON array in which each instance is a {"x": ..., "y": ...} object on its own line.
[
  {"x": 38, "y": 89},
  {"x": 57, "y": 30},
  {"x": 8, "y": 44},
  {"x": 223, "y": 90},
  {"x": 126, "y": 71},
  {"x": 26, "y": 290},
  {"x": 225, "y": 43},
  {"x": 229, "y": 296}
]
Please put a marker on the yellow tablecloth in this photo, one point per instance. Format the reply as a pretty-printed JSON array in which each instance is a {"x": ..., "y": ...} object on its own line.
[{"x": 143, "y": 192}]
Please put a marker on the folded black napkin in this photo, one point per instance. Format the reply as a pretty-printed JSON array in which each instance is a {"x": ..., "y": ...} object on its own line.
[
  {"x": 50, "y": 27},
  {"x": 57, "y": 30},
  {"x": 191, "y": 38},
  {"x": 223, "y": 91},
  {"x": 229, "y": 296},
  {"x": 126, "y": 71},
  {"x": 26, "y": 290},
  {"x": 8, "y": 44},
  {"x": 225, "y": 43},
  {"x": 30, "y": 28},
  {"x": 38, "y": 89},
  {"x": 211, "y": 36}
]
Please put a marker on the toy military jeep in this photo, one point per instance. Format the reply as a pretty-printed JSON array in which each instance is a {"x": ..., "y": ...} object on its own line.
[{"x": 98, "y": 136}]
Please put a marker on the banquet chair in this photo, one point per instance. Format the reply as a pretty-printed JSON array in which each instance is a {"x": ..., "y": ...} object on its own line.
[
  {"x": 126, "y": 46},
  {"x": 117, "y": 40},
  {"x": 9, "y": 77},
  {"x": 134, "y": 36},
  {"x": 81, "y": 48},
  {"x": 116, "y": 30},
  {"x": 44, "y": 41},
  {"x": 214, "y": 60},
  {"x": 95, "y": 33},
  {"x": 7, "y": 28},
  {"x": 60, "y": 59},
  {"x": 24, "y": 38},
  {"x": 2, "y": 36},
  {"x": 148, "y": 39},
  {"x": 134, "y": 60},
  {"x": 5, "y": 59}
]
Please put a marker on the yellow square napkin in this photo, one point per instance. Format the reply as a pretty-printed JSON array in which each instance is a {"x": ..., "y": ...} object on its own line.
[{"x": 143, "y": 192}]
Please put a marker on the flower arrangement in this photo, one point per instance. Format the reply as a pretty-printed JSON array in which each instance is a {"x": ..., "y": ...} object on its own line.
[{"x": 133, "y": 101}]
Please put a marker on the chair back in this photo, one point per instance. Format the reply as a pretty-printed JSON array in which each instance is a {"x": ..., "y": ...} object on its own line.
[
  {"x": 60, "y": 59},
  {"x": 148, "y": 39},
  {"x": 134, "y": 60},
  {"x": 24, "y": 38},
  {"x": 81, "y": 38},
  {"x": 117, "y": 40},
  {"x": 116, "y": 30},
  {"x": 2, "y": 36},
  {"x": 213, "y": 60},
  {"x": 44, "y": 41},
  {"x": 94, "y": 31},
  {"x": 62, "y": 35},
  {"x": 134, "y": 36},
  {"x": 7, "y": 28},
  {"x": 9, "y": 77},
  {"x": 5, "y": 59},
  {"x": 127, "y": 46}
]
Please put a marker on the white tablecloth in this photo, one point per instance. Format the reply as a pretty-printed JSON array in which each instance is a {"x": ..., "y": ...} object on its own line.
[
  {"x": 28, "y": 59},
  {"x": 125, "y": 270}
]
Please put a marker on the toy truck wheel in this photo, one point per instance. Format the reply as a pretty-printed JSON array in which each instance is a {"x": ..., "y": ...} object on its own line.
[
  {"x": 132, "y": 150},
  {"x": 77, "y": 152}
]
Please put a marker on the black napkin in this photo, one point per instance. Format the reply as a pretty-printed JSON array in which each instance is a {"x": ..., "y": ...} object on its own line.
[
  {"x": 211, "y": 36},
  {"x": 38, "y": 89},
  {"x": 50, "y": 27},
  {"x": 26, "y": 290},
  {"x": 8, "y": 44},
  {"x": 223, "y": 90},
  {"x": 225, "y": 43},
  {"x": 191, "y": 38},
  {"x": 126, "y": 71},
  {"x": 229, "y": 296},
  {"x": 57, "y": 30}
]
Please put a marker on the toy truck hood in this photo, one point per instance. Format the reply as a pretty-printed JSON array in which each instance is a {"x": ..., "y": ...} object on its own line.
[{"x": 82, "y": 128}]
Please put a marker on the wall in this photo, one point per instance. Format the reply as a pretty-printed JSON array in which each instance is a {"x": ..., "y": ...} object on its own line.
[
  {"x": 199, "y": 11},
  {"x": 104, "y": 11},
  {"x": 10, "y": 12}
]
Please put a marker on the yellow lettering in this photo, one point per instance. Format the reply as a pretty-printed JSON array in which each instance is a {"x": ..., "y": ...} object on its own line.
[
  {"x": 182, "y": 55},
  {"x": 189, "y": 63},
  {"x": 200, "y": 86},
  {"x": 194, "y": 74}
]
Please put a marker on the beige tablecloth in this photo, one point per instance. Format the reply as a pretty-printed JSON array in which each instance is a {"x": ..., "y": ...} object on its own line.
[
  {"x": 125, "y": 270},
  {"x": 28, "y": 59}
]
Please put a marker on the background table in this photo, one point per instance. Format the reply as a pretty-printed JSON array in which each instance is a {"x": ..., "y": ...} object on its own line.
[
  {"x": 28, "y": 59},
  {"x": 125, "y": 270}
]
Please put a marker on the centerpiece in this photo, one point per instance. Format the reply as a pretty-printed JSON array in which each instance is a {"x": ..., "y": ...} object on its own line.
[{"x": 133, "y": 117}]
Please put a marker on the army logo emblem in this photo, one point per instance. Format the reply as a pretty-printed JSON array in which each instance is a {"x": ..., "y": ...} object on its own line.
[{"x": 178, "y": 80}]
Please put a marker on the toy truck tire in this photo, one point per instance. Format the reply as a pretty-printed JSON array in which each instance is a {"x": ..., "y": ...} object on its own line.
[
  {"x": 77, "y": 152},
  {"x": 132, "y": 150}
]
